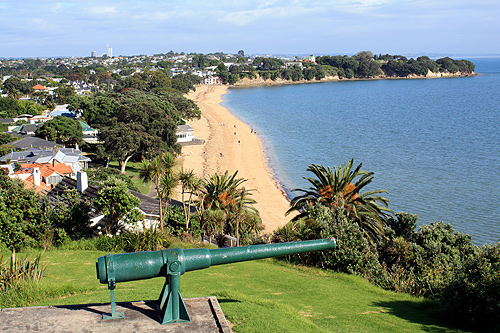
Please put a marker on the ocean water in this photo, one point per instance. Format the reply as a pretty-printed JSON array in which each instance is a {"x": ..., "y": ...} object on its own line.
[{"x": 433, "y": 144}]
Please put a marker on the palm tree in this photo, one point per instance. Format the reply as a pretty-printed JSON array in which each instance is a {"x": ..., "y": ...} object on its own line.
[
  {"x": 212, "y": 222},
  {"x": 168, "y": 182},
  {"x": 340, "y": 190},
  {"x": 156, "y": 169},
  {"x": 221, "y": 193},
  {"x": 243, "y": 206},
  {"x": 190, "y": 184}
]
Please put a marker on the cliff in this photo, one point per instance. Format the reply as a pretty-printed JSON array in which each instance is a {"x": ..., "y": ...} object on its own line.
[{"x": 260, "y": 82}]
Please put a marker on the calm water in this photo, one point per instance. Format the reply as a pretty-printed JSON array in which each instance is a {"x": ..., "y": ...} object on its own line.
[{"x": 434, "y": 144}]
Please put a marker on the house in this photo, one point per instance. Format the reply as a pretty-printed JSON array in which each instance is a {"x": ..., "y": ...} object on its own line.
[
  {"x": 89, "y": 133},
  {"x": 32, "y": 178},
  {"x": 7, "y": 168},
  {"x": 62, "y": 110},
  {"x": 185, "y": 133},
  {"x": 39, "y": 87},
  {"x": 47, "y": 175},
  {"x": 149, "y": 207},
  {"x": 212, "y": 80},
  {"x": 70, "y": 156},
  {"x": 29, "y": 129},
  {"x": 33, "y": 142}
]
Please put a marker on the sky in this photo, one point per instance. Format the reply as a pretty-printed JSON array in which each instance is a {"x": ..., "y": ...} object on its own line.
[{"x": 42, "y": 28}]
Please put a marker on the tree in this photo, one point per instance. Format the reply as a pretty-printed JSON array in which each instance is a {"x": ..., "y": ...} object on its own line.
[
  {"x": 122, "y": 142},
  {"x": 64, "y": 93},
  {"x": 243, "y": 206},
  {"x": 186, "y": 107},
  {"x": 341, "y": 188},
  {"x": 149, "y": 81},
  {"x": 141, "y": 124},
  {"x": 222, "y": 194},
  {"x": 117, "y": 204},
  {"x": 62, "y": 130},
  {"x": 95, "y": 110},
  {"x": 21, "y": 217},
  {"x": 14, "y": 85},
  {"x": 185, "y": 82},
  {"x": 189, "y": 184},
  {"x": 159, "y": 171}
]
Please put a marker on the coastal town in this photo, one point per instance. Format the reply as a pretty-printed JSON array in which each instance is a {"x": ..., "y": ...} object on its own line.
[
  {"x": 113, "y": 154},
  {"x": 37, "y": 93}
]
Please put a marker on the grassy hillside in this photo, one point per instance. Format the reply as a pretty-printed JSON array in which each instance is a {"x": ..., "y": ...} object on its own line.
[{"x": 256, "y": 296}]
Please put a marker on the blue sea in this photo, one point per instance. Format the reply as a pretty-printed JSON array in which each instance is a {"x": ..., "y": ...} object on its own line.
[{"x": 433, "y": 144}]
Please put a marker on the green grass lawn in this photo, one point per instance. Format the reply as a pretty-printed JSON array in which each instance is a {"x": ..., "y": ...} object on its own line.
[
  {"x": 257, "y": 296},
  {"x": 131, "y": 170}
]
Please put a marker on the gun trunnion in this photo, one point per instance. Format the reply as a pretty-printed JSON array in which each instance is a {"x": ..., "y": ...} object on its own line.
[{"x": 172, "y": 263}]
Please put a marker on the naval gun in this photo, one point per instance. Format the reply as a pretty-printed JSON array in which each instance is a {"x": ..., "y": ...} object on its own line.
[{"x": 172, "y": 263}]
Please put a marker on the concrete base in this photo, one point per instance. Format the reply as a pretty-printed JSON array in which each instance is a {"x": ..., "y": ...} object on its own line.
[{"x": 205, "y": 312}]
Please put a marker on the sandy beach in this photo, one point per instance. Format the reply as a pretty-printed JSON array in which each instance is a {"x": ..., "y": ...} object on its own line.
[{"x": 231, "y": 145}]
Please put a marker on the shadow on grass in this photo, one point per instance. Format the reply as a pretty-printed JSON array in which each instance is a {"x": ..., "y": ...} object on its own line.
[
  {"x": 227, "y": 300},
  {"x": 424, "y": 313}
]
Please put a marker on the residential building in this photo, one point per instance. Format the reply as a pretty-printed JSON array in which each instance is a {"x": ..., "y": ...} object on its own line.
[{"x": 185, "y": 133}]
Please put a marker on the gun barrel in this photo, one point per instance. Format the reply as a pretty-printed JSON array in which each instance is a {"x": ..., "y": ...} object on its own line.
[
  {"x": 149, "y": 264},
  {"x": 203, "y": 258}
]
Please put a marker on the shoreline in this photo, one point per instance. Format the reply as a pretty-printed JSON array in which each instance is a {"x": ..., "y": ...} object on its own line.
[
  {"x": 231, "y": 145},
  {"x": 259, "y": 82}
]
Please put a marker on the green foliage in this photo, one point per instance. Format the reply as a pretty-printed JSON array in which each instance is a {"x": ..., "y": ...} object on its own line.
[
  {"x": 142, "y": 125},
  {"x": 64, "y": 93},
  {"x": 117, "y": 204},
  {"x": 159, "y": 171},
  {"x": 22, "y": 223},
  {"x": 62, "y": 130},
  {"x": 341, "y": 188},
  {"x": 151, "y": 239},
  {"x": 10, "y": 108},
  {"x": 101, "y": 174},
  {"x": 109, "y": 243},
  {"x": 69, "y": 217},
  {"x": 186, "y": 107},
  {"x": 96, "y": 110},
  {"x": 175, "y": 222},
  {"x": 13, "y": 84},
  {"x": 354, "y": 253},
  {"x": 18, "y": 272},
  {"x": 227, "y": 208},
  {"x": 19, "y": 279},
  {"x": 472, "y": 298},
  {"x": 6, "y": 138},
  {"x": 185, "y": 82},
  {"x": 149, "y": 81}
]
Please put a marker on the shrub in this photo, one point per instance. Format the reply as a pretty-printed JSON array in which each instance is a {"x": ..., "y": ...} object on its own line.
[
  {"x": 176, "y": 222},
  {"x": 109, "y": 243},
  {"x": 353, "y": 255},
  {"x": 18, "y": 278},
  {"x": 472, "y": 299},
  {"x": 144, "y": 240},
  {"x": 20, "y": 271}
]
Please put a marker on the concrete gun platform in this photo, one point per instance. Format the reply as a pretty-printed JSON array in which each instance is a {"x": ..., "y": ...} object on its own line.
[{"x": 206, "y": 316}]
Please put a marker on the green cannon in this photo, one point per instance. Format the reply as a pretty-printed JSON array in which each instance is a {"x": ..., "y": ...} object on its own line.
[{"x": 172, "y": 263}]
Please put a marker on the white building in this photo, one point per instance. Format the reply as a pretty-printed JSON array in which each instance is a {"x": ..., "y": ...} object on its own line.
[{"x": 185, "y": 133}]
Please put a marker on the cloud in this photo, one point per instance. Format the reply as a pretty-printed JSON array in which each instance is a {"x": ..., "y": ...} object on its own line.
[
  {"x": 265, "y": 14},
  {"x": 102, "y": 11}
]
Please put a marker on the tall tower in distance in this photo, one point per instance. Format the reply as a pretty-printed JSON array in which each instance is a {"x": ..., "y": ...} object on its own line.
[{"x": 110, "y": 51}]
